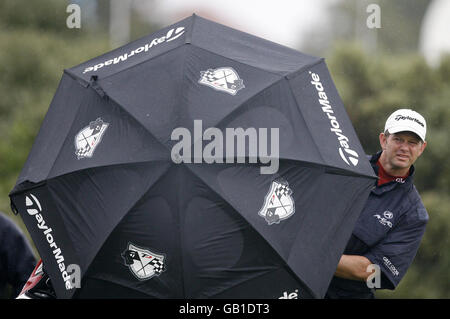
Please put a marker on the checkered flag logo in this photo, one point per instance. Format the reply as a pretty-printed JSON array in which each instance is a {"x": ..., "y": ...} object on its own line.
[
  {"x": 282, "y": 190},
  {"x": 143, "y": 263},
  {"x": 83, "y": 151},
  {"x": 223, "y": 79},
  {"x": 208, "y": 75},
  {"x": 278, "y": 203},
  {"x": 89, "y": 138},
  {"x": 158, "y": 266}
]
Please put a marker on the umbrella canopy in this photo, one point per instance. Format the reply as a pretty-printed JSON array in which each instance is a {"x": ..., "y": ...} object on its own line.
[{"x": 196, "y": 162}]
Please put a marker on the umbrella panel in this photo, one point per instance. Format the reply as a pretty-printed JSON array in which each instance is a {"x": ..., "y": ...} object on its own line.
[{"x": 208, "y": 249}]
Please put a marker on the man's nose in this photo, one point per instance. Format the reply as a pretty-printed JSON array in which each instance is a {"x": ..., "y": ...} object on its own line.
[{"x": 404, "y": 146}]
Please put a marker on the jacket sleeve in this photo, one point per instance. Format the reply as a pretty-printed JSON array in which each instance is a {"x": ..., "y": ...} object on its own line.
[
  {"x": 16, "y": 254},
  {"x": 395, "y": 253}
]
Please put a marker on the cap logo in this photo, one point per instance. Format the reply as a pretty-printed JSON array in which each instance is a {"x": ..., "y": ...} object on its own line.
[{"x": 403, "y": 117}]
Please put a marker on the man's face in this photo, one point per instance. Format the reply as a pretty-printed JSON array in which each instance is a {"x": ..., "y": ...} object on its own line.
[{"x": 401, "y": 150}]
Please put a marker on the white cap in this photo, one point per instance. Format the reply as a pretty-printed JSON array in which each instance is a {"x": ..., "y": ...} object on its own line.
[{"x": 406, "y": 120}]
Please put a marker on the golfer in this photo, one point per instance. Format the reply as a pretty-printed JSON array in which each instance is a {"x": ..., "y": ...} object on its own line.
[{"x": 392, "y": 223}]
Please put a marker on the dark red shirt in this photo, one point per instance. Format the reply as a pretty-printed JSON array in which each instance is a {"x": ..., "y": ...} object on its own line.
[{"x": 386, "y": 178}]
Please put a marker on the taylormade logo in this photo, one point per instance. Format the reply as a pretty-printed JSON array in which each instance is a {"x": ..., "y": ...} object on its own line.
[
  {"x": 347, "y": 154},
  {"x": 406, "y": 117},
  {"x": 34, "y": 208},
  {"x": 171, "y": 35},
  {"x": 289, "y": 295}
]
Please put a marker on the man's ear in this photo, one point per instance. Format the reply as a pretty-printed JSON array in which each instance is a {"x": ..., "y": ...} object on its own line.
[
  {"x": 422, "y": 148},
  {"x": 383, "y": 141}
]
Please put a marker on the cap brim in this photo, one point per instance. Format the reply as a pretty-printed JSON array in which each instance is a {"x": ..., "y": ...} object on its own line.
[{"x": 398, "y": 129}]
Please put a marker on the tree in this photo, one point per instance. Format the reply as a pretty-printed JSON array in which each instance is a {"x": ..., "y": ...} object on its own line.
[
  {"x": 35, "y": 47},
  {"x": 349, "y": 20}
]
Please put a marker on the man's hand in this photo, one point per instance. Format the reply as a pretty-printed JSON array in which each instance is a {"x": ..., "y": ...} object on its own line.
[{"x": 353, "y": 267}]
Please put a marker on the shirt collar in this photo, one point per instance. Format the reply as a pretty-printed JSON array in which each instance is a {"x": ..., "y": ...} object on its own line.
[{"x": 391, "y": 185}]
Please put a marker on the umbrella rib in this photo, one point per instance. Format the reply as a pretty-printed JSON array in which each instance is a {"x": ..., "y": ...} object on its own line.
[
  {"x": 299, "y": 110},
  {"x": 68, "y": 131},
  {"x": 180, "y": 235},
  {"x": 284, "y": 73},
  {"x": 137, "y": 120}
]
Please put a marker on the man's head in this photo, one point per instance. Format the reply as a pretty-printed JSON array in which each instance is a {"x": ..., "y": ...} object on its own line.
[{"x": 403, "y": 141}]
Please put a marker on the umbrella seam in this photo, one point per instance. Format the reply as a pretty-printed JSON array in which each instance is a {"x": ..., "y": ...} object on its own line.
[
  {"x": 137, "y": 120},
  {"x": 183, "y": 72},
  {"x": 302, "y": 69},
  {"x": 283, "y": 73},
  {"x": 300, "y": 110},
  {"x": 68, "y": 131}
]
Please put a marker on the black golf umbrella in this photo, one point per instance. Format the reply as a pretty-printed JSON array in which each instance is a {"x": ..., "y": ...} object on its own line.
[{"x": 196, "y": 162}]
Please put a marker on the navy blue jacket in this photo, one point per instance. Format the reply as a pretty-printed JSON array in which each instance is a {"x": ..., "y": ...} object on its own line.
[
  {"x": 16, "y": 258},
  {"x": 388, "y": 232}
]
